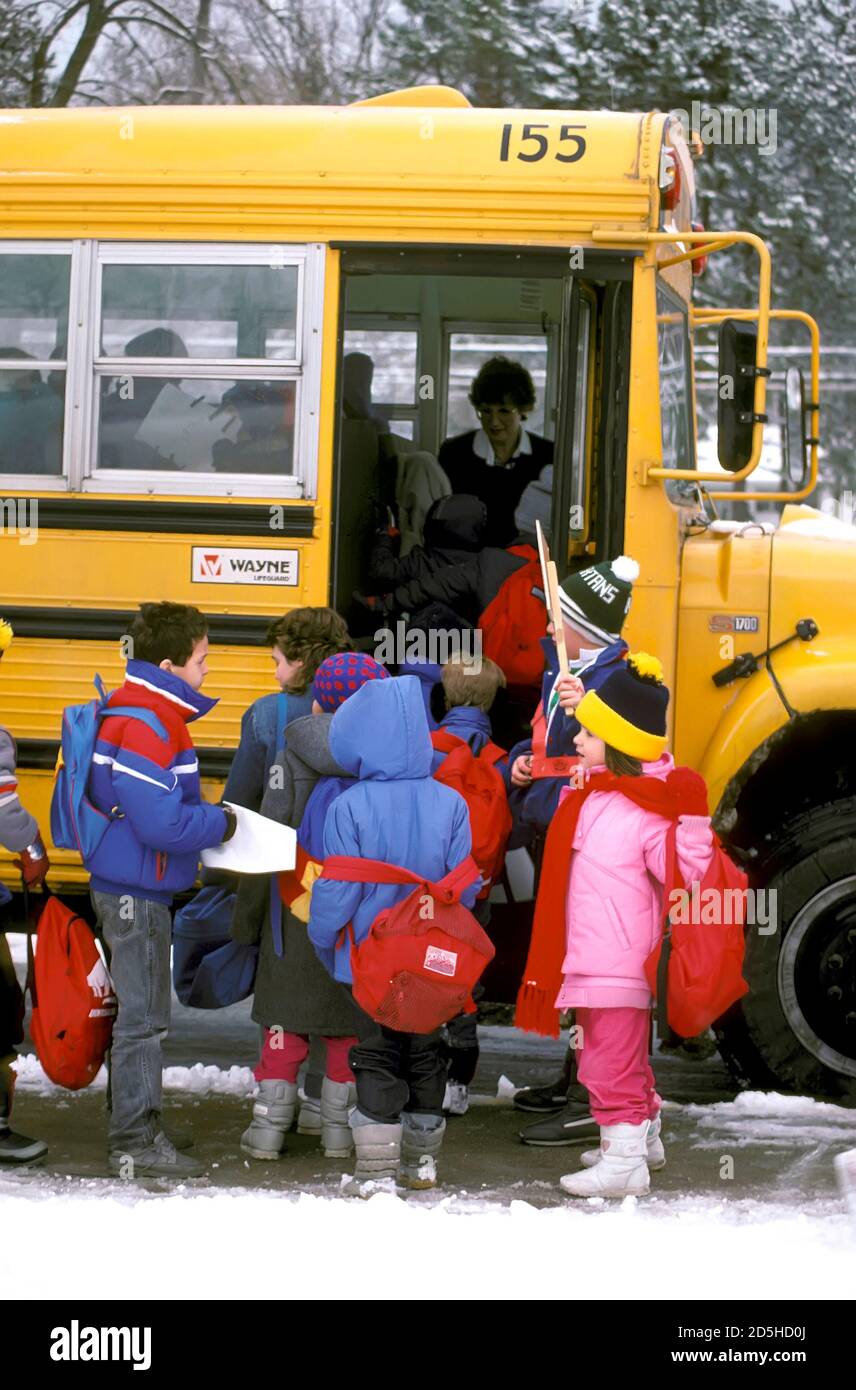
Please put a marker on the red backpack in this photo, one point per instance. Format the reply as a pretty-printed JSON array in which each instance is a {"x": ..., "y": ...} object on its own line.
[
  {"x": 482, "y": 787},
  {"x": 73, "y": 1000},
  {"x": 418, "y": 965},
  {"x": 696, "y": 970},
  {"x": 514, "y": 622}
]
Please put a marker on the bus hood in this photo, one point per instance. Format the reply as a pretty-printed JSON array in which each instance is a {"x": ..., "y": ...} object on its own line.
[{"x": 813, "y": 575}]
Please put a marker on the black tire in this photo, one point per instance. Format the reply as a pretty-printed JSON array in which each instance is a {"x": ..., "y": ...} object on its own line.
[{"x": 796, "y": 1029}]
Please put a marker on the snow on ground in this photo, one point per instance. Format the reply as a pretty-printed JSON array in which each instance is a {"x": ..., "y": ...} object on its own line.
[
  {"x": 213, "y": 1244},
  {"x": 766, "y": 1117},
  {"x": 784, "y": 1235},
  {"x": 199, "y": 1240},
  {"x": 197, "y": 1080}
]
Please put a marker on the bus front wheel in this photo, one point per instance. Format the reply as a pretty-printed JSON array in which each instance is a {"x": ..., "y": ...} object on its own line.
[{"x": 796, "y": 1029}]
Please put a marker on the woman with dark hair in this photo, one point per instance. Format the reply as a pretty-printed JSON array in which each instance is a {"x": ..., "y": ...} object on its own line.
[{"x": 498, "y": 460}]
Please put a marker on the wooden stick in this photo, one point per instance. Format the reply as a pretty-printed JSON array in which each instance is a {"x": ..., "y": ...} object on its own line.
[
  {"x": 556, "y": 616},
  {"x": 544, "y": 558}
]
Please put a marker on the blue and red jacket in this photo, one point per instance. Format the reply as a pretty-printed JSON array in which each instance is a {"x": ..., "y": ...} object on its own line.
[{"x": 151, "y": 786}]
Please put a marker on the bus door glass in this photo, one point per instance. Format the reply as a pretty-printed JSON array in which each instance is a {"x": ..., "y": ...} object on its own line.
[
  {"x": 677, "y": 426},
  {"x": 573, "y": 489}
]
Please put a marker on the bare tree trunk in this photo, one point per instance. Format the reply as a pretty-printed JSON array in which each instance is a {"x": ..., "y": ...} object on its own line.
[
  {"x": 199, "y": 80},
  {"x": 97, "y": 14}
]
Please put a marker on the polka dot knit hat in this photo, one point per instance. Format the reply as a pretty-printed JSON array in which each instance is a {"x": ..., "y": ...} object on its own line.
[{"x": 339, "y": 676}]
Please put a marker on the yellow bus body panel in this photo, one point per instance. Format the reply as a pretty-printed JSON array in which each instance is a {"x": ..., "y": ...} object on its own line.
[{"x": 367, "y": 173}]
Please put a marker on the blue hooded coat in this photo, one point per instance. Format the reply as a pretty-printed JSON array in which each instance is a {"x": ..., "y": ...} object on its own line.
[{"x": 396, "y": 812}]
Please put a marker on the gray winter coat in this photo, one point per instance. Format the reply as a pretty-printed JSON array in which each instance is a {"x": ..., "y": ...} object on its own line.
[
  {"x": 294, "y": 990},
  {"x": 17, "y": 827}
]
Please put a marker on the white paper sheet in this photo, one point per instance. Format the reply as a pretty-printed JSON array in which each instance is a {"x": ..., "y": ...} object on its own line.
[{"x": 258, "y": 846}]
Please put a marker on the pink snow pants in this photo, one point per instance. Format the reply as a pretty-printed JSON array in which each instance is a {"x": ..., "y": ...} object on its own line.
[
  {"x": 613, "y": 1065},
  {"x": 282, "y": 1061}
]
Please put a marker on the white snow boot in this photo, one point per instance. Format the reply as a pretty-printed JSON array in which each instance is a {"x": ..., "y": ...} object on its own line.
[
  {"x": 338, "y": 1098},
  {"x": 622, "y": 1170},
  {"x": 309, "y": 1116},
  {"x": 273, "y": 1115},
  {"x": 378, "y": 1155},
  {"x": 421, "y": 1141},
  {"x": 655, "y": 1155}
]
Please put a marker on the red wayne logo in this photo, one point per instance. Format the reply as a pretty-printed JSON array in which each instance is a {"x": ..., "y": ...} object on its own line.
[
  {"x": 734, "y": 622},
  {"x": 244, "y": 565}
]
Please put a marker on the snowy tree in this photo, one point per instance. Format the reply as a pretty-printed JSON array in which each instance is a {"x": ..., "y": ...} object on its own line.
[{"x": 497, "y": 52}]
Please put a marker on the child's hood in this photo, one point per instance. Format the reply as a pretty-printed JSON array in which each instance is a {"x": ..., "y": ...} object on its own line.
[
  {"x": 660, "y": 768},
  {"x": 381, "y": 732},
  {"x": 455, "y": 523},
  {"x": 464, "y": 720},
  {"x": 144, "y": 676}
]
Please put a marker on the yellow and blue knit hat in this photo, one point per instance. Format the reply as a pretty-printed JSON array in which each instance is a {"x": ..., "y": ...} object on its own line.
[{"x": 629, "y": 710}]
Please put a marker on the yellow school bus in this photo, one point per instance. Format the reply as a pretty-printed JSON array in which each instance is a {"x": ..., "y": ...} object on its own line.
[{"x": 178, "y": 291}]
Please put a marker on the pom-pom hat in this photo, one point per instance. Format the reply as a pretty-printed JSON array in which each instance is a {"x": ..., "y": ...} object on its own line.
[
  {"x": 339, "y": 676},
  {"x": 629, "y": 710},
  {"x": 596, "y": 600}
]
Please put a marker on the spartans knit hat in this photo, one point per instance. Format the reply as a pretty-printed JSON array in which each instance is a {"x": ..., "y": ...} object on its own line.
[
  {"x": 629, "y": 710},
  {"x": 596, "y": 600},
  {"x": 339, "y": 676}
]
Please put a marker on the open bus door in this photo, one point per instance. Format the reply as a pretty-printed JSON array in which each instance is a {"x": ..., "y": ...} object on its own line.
[{"x": 510, "y": 301}]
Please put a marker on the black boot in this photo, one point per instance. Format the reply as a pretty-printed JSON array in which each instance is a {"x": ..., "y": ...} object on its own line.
[
  {"x": 17, "y": 1148},
  {"x": 573, "y": 1125},
  {"x": 14, "y": 1148},
  {"x": 546, "y": 1100}
]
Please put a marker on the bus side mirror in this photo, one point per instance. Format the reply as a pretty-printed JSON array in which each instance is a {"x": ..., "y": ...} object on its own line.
[
  {"x": 796, "y": 459},
  {"x": 738, "y": 341}
]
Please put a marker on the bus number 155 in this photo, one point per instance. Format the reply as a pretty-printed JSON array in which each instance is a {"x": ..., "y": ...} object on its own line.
[{"x": 532, "y": 134}]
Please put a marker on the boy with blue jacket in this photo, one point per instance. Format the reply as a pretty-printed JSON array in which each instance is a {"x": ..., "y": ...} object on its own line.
[
  {"x": 149, "y": 785},
  {"x": 397, "y": 813}
]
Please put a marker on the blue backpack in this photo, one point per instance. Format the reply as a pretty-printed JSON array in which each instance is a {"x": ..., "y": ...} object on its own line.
[
  {"x": 209, "y": 969},
  {"x": 75, "y": 822}
]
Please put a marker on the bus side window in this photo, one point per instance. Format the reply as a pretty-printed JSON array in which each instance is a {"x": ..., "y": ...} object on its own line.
[
  {"x": 34, "y": 292},
  {"x": 169, "y": 397}
]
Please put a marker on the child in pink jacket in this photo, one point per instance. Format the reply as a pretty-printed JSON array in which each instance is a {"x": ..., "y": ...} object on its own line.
[{"x": 614, "y": 917}]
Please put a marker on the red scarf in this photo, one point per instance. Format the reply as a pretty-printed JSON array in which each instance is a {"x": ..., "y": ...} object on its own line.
[{"x": 681, "y": 793}]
